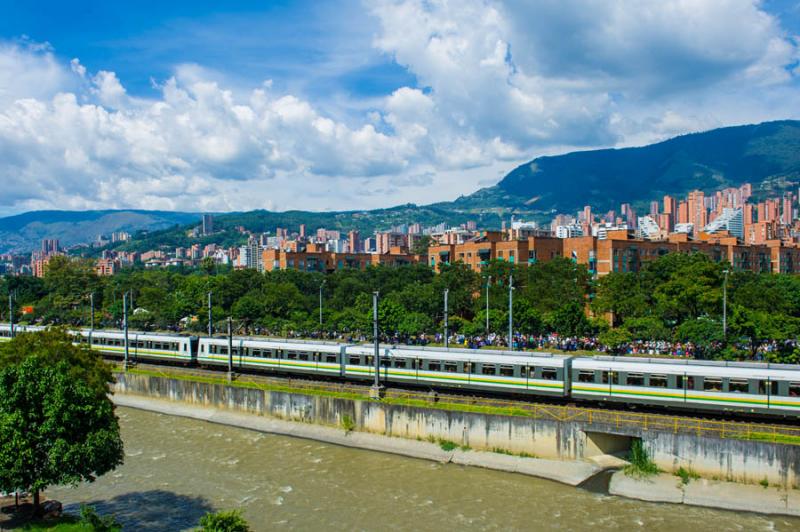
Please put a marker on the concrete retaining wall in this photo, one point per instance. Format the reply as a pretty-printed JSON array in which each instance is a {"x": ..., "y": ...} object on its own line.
[{"x": 738, "y": 460}]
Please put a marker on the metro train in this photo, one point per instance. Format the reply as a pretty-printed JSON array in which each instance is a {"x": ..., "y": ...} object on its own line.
[{"x": 754, "y": 388}]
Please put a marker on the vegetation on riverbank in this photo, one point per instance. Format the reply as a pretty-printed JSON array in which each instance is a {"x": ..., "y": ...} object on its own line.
[{"x": 640, "y": 464}]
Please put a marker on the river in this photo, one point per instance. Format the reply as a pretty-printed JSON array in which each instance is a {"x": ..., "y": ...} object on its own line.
[{"x": 177, "y": 469}]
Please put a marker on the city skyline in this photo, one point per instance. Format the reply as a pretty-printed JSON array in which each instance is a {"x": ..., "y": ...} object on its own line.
[{"x": 360, "y": 105}]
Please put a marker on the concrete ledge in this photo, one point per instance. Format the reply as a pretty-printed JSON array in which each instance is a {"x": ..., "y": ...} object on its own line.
[
  {"x": 571, "y": 473},
  {"x": 657, "y": 488},
  {"x": 707, "y": 493}
]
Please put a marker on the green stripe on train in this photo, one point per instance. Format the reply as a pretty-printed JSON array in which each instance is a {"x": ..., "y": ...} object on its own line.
[{"x": 687, "y": 398}]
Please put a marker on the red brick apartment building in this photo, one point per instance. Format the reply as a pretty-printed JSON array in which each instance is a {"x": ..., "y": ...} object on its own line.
[
  {"x": 621, "y": 251},
  {"x": 315, "y": 259}
]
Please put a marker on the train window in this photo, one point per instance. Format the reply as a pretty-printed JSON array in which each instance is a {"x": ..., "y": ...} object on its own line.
[
  {"x": 635, "y": 379},
  {"x": 737, "y": 386},
  {"x": 507, "y": 371},
  {"x": 488, "y": 369},
  {"x": 434, "y": 366},
  {"x": 794, "y": 389},
  {"x": 604, "y": 376},
  {"x": 768, "y": 387},
  {"x": 330, "y": 358},
  {"x": 291, "y": 355},
  {"x": 712, "y": 385},
  {"x": 658, "y": 381},
  {"x": 451, "y": 367},
  {"x": 549, "y": 374},
  {"x": 586, "y": 376},
  {"x": 385, "y": 362},
  {"x": 303, "y": 356},
  {"x": 355, "y": 361},
  {"x": 400, "y": 363},
  {"x": 469, "y": 367}
]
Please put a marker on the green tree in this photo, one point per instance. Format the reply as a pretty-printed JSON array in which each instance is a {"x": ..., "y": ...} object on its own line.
[
  {"x": 614, "y": 339},
  {"x": 415, "y": 323},
  {"x": 570, "y": 320},
  {"x": 227, "y": 521},
  {"x": 57, "y": 423}
]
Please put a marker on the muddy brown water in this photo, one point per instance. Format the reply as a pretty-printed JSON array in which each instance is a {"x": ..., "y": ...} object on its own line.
[{"x": 177, "y": 469}]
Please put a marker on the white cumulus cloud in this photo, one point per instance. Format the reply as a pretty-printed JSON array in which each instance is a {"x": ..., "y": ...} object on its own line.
[{"x": 497, "y": 82}]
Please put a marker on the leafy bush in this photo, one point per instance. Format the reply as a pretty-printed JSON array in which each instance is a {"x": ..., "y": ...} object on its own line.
[
  {"x": 97, "y": 522},
  {"x": 348, "y": 424},
  {"x": 686, "y": 474},
  {"x": 641, "y": 465},
  {"x": 226, "y": 521}
]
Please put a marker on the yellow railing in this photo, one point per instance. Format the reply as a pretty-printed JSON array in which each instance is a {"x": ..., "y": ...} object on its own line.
[{"x": 615, "y": 418}]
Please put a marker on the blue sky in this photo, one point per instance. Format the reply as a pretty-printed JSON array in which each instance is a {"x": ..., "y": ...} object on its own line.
[{"x": 358, "y": 104}]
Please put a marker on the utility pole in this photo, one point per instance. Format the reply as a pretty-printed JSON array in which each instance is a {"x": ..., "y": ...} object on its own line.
[
  {"x": 488, "y": 282},
  {"x": 320, "y": 305},
  {"x": 11, "y": 296},
  {"x": 125, "y": 328},
  {"x": 91, "y": 318},
  {"x": 230, "y": 349},
  {"x": 511, "y": 312},
  {"x": 210, "y": 317},
  {"x": 376, "y": 392},
  {"x": 446, "y": 335},
  {"x": 725, "y": 306}
]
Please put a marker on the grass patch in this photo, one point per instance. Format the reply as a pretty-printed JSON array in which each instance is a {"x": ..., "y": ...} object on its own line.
[
  {"x": 764, "y": 483},
  {"x": 521, "y": 454},
  {"x": 686, "y": 474},
  {"x": 641, "y": 465},
  {"x": 770, "y": 437},
  {"x": 347, "y": 423},
  {"x": 448, "y": 445},
  {"x": 64, "y": 524},
  {"x": 465, "y": 448}
]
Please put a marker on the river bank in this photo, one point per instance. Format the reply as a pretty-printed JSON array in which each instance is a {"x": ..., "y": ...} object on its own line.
[{"x": 660, "y": 488}]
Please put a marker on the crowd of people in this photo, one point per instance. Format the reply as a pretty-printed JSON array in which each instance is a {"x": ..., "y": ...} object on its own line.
[{"x": 549, "y": 342}]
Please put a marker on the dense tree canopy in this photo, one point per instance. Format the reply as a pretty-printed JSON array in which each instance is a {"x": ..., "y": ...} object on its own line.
[{"x": 677, "y": 297}]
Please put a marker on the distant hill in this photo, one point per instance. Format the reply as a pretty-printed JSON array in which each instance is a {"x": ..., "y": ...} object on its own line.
[
  {"x": 23, "y": 233},
  {"x": 766, "y": 155}
]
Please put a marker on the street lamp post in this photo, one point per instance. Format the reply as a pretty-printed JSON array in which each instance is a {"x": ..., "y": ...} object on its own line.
[
  {"x": 376, "y": 391},
  {"x": 125, "y": 328},
  {"x": 11, "y": 296},
  {"x": 210, "y": 316},
  {"x": 511, "y": 312},
  {"x": 230, "y": 349},
  {"x": 446, "y": 334},
  {"x": 91, "y": 318},
  {"x": 725, "y": 305},
  {"x": 488, "y": 282},
  {"x": 320, "y": 305}
]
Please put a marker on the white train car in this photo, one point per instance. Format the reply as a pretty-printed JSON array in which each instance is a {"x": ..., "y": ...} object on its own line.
[
  {"x": 689, "y": 384},
  {"x": 5, "y": 330},
  {"x": 290, "y": 356},
  {"x": 496, "y": 371},
  {"x": 141, "y": 345}
]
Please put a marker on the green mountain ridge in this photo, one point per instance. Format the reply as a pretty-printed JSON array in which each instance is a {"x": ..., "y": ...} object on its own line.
[
  {"x": 23, "y": 233},
  {"x": 766, "y": 155}
]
